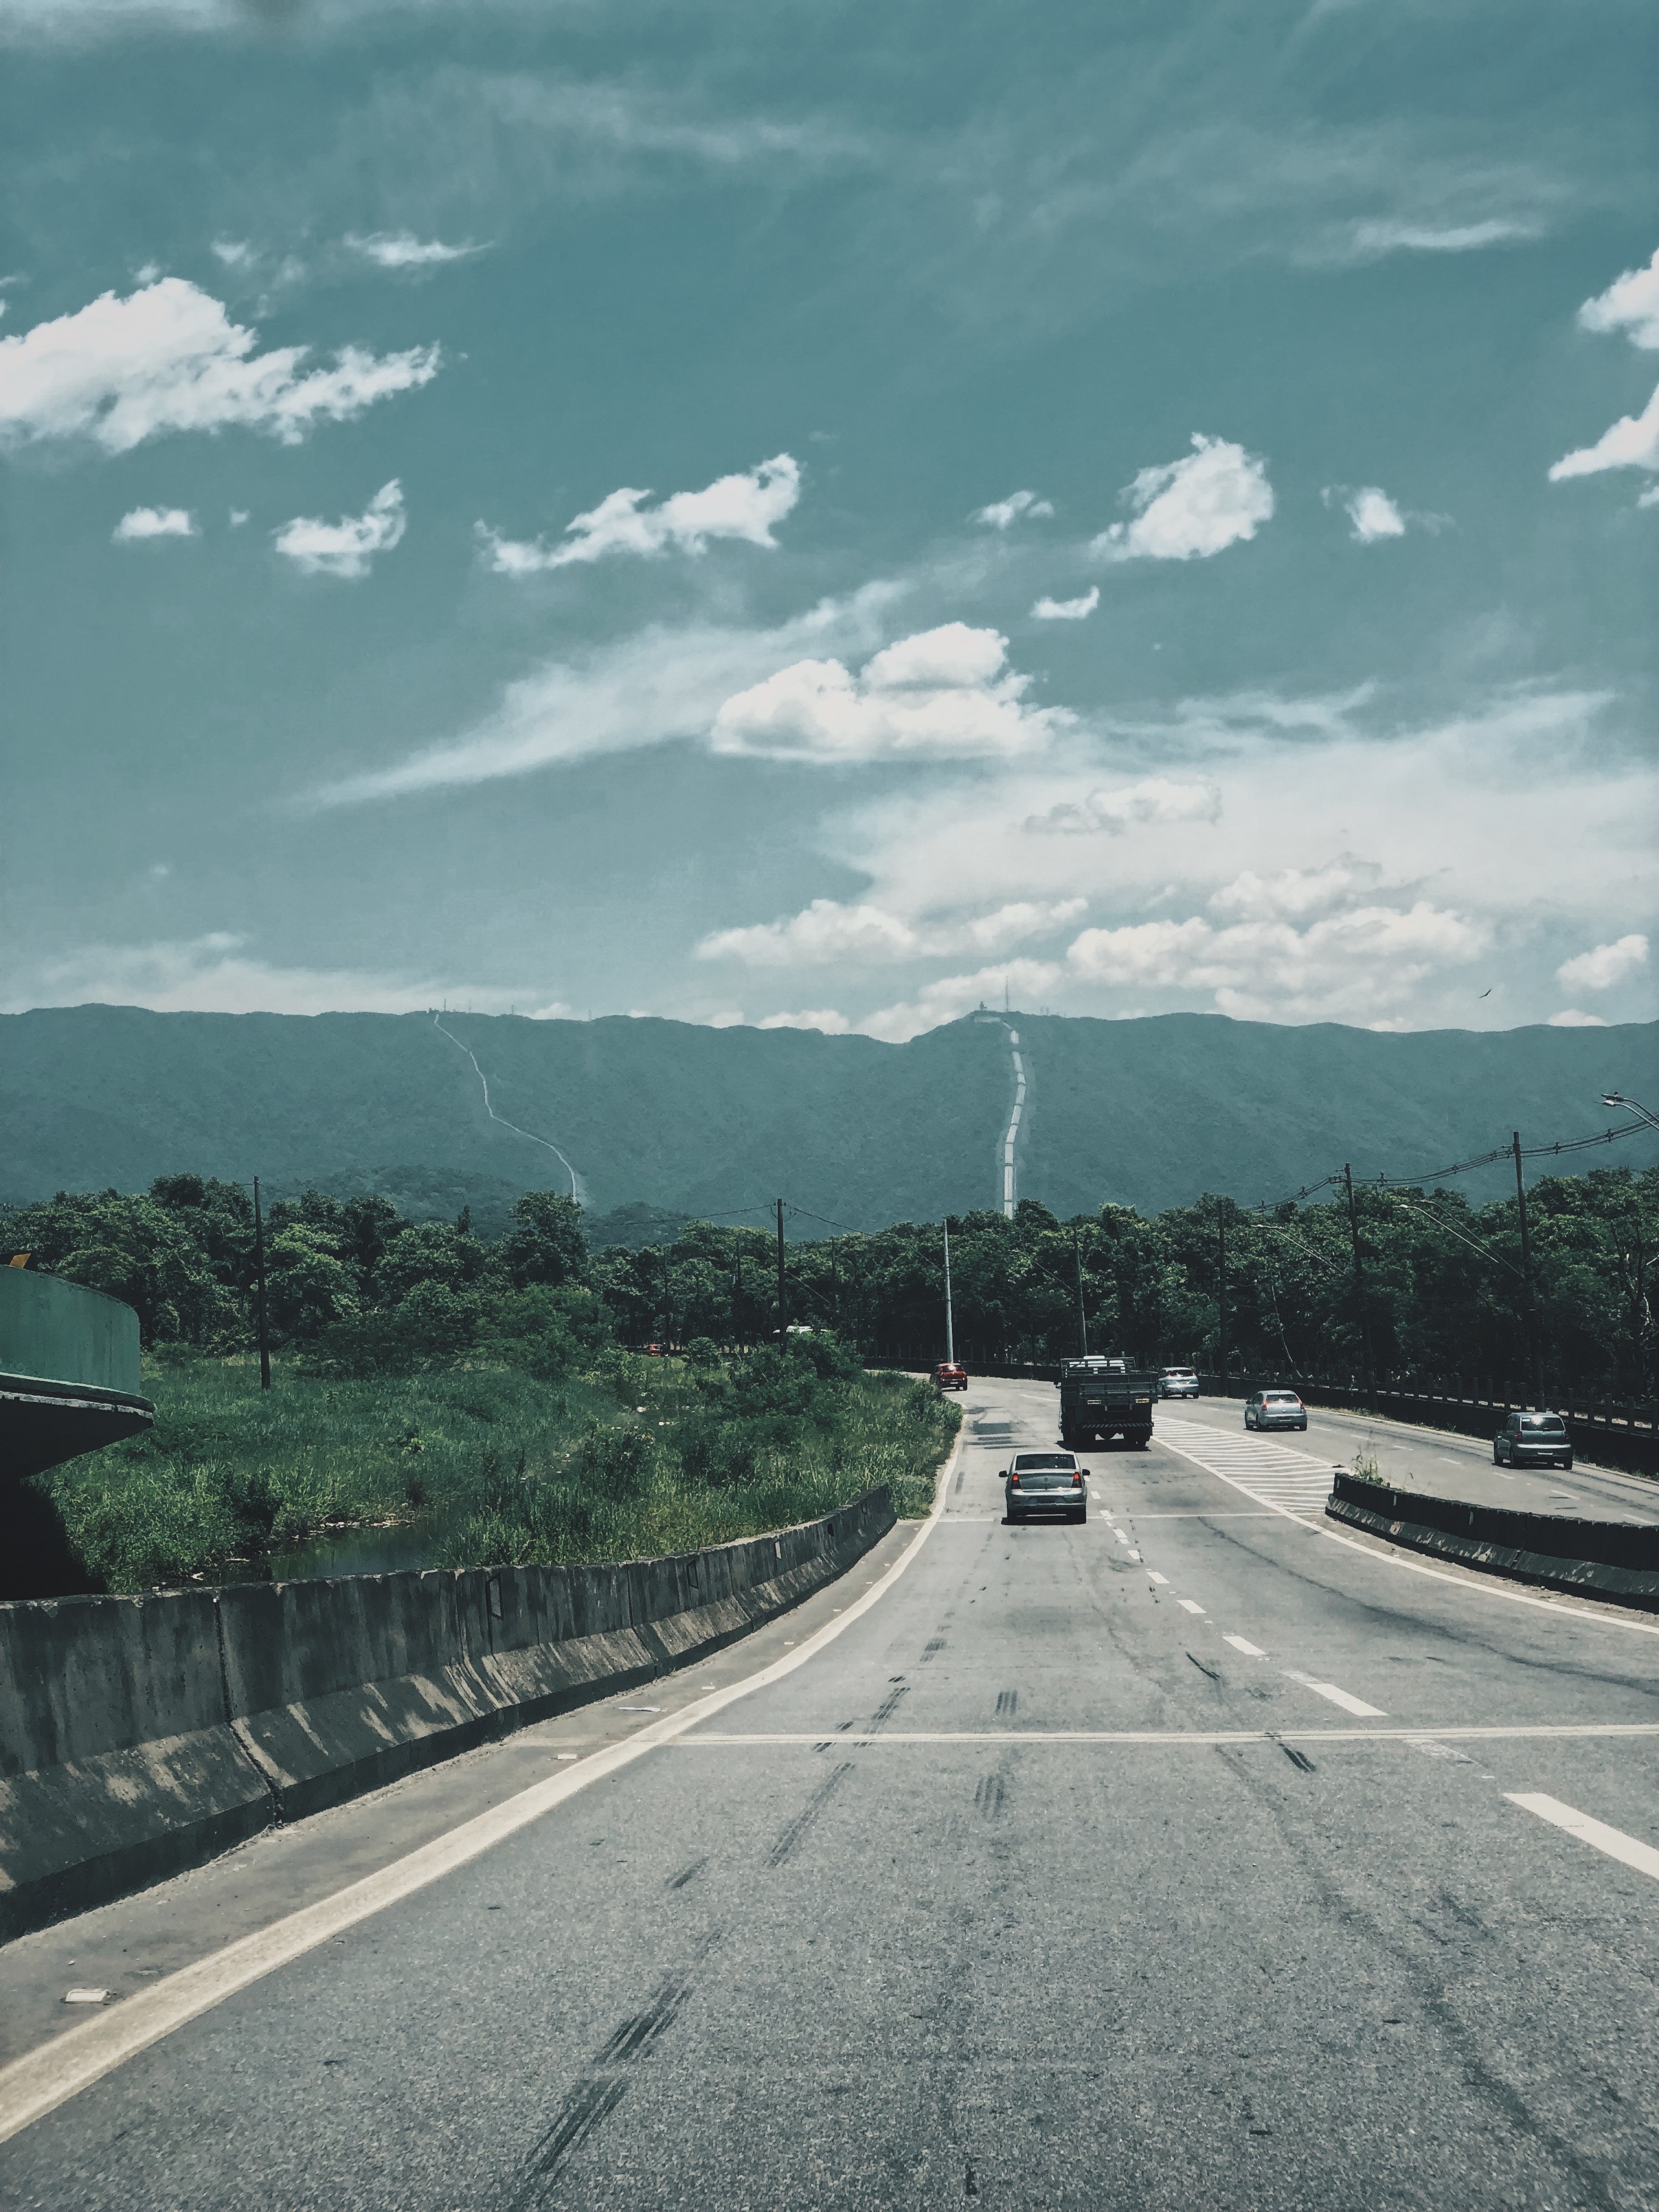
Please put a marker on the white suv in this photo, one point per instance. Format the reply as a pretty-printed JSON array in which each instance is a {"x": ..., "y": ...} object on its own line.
[{"x": 1178, "y": 1382}]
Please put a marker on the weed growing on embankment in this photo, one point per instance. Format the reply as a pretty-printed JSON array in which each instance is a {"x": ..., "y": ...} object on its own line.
[{"x": 489, "y": 1465}]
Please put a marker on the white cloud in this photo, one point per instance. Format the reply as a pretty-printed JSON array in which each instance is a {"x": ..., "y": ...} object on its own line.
[
  {"x": 169, "y": 358},
  {"x": 1631, "y": 304},
  {"x": 1296, "y": 893},
  {"x": 942, "y": 694},
  {"x": 239, "y": 515},
  {"x": 1374, "y": 515},
  {"x": 1631, "y": 443},
  {"x": 1155, "y": 799},
  {"x": 1215, "y": 496},
  {"x": 1003, "y": 513},
  {"x": 234, "y": 252},
  {"x": 401, "y": 249},
  {"x": 154, "y": 522},
  {"x": 744, "y": 506},
  {"x": 825, "y": 1018},
  {"x": 950, "y": 996},
  {"x": 1447, "y": 238},
  {"x": 216, "y": 973},
  {"x": 345, "y": 548},
  {"x": 1605, "y": 965},
  {"x": 1570, "y": 1018},
  {"x": 1067, "y": 609},
  {"x": 658, "y": 684},
  {"x": 1350, "y": 965},
  {"x": 868, "y": 935}
]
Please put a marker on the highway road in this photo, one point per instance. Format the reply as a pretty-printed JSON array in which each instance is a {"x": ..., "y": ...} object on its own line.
[{"x": 1203, "y": 1856}]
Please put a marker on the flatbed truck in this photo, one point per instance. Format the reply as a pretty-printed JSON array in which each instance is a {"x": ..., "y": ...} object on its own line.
[{"x": 1104, "y": 1397}]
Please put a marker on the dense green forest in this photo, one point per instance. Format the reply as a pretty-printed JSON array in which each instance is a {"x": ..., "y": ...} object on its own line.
[{"x": 354, "y": 1291}]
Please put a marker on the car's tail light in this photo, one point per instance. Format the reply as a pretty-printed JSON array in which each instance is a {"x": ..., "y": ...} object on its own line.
[{"x": 1076, "y": 1476}]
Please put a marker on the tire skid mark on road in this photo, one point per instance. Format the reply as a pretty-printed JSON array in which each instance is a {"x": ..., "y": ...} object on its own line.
[
  {"x": 604, "y": 2082},
  {"x": 790, "y": 1840}
]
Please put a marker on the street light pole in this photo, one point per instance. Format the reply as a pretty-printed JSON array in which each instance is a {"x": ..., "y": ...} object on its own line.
[
  {"x": 1221, "y": 1289},
  {"x": 1359, "y": 1293},
  {"x": 950, "y": 1319},
  {"x": 1082, "y": 1313},
  {"x": 260, "y": 1290},
  {"x": 783, "y": 1329},
  {"x": 1534, "y": 1353},
  {"x": 1617, "y": 1098}
]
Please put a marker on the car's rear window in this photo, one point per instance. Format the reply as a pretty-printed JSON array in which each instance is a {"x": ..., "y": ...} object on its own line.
[
  {"x": 1281, "y": 1398},
  {"x": 1040, "y": 1462},
  {"x": 1179, "y": 1374},
  {"x": 1550, "y": 1424}
]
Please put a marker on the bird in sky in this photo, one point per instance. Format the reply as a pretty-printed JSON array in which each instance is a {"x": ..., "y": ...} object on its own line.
[{"x": 1486, "y": 994}]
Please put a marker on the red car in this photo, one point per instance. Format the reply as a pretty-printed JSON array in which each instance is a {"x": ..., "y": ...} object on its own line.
[{"x": 950, "y": 1377}]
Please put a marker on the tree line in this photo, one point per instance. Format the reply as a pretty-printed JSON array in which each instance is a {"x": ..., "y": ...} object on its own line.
[{"x": 1419, "y": 1283}]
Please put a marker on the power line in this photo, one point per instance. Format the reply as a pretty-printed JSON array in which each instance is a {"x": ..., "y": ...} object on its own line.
[{"x": 1467, "y": 1167}]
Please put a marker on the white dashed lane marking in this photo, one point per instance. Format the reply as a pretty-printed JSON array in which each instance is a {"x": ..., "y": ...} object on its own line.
[
  {"x": 1349, "y": 1704},
  {"x": 1152, "y": 1574},
  {"x": 1243, "y": 1643},
  {"x": 1614, "y": 1841},
  {"x": 1191, "y": 1604}
]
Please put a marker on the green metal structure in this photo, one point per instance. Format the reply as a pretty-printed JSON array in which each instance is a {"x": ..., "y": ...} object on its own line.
[{"x": 69, "y": 1371}]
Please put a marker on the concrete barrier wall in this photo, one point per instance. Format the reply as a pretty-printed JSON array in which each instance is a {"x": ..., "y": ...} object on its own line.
[
  {"x": 142, "y": 1735},
  {"x": 1614, "y": 1559}
]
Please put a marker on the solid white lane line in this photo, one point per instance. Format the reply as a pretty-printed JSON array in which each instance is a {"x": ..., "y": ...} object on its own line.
[
  {"x": 1613, "y": 1841},
  {"x": 39, "y": 2081},
  {"x": 1411, "y": 1736},
  {"x": 1152, "y": 1575},
  {"x": 1349, "y": 1704},
  {"x": 1243, "y": 1643},
  {"x": 1191, "y": 1604},
  {"x": 1475, "y": 1585}
]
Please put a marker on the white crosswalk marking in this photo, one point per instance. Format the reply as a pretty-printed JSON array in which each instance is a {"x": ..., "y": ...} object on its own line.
[{"x": 1272, "y": 1473}]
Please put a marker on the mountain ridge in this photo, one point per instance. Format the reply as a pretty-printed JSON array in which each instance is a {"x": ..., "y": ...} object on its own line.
[{"x": 691, "y": 1120}]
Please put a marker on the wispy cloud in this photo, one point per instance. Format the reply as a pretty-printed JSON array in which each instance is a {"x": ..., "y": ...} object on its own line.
[
  {"x": 1631, "y": 304},
  {"x": 872, "y": 936},
  {"x": 1379, "y": 238},
  {"x": 1215, "y": 496},
  {"x": 1156, "y": 799},
  {"x": 944, "y": 694},
  {"x": 1003, "y": 514},
  {"x": 143, "y": 522},
  {"x": 347, "y": 547},
  {"x": 168, "y": 358},
  {"x": 1067, "y": 609},
  {"x": 401, "y": 249},
  {"x": 746, "y": 505},
  {"x": 219, "y": 973},
  {"x": 659, "y": 683}
]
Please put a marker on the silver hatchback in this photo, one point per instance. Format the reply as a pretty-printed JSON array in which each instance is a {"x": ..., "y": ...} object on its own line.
[
  {"x": 1274, "y": 1409},
  {"x": 1045, "y": 1484},
  {"x": 1532, "y": 1440}
]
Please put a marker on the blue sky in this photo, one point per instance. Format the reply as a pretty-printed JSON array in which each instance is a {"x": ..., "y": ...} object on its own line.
[{"x": 819, "y": 514}]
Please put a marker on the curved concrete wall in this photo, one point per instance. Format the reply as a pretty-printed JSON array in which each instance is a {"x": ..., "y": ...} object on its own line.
[
  {"x": 61, "y": 1331},
  {"x": 142, "y": 1735}
]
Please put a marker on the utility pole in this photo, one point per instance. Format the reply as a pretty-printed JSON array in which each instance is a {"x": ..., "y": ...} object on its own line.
[
  {"x": 260, "y": 1290},
  {"x": 1221, "y": 1289},
  {"x": 783, "y": 1326},
  {"x": 737, "y": 1286},
  {"x": 950, "y": 1323},
  {"x": 1359, "y": 1293},
  {"x": 667, "y": 1314},
  {"x": 1534, "y": 1350},
  {"x": 1082, "y": 1315}
]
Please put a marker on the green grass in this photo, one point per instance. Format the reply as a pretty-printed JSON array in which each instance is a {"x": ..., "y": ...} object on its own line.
[{"x": 489, "y": 1465}]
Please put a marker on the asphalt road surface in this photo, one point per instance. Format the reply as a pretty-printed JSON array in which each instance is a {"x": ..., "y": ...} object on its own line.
[
  {"x": 1200, "y": 1856},
  {"x": 1436, "y": 1460}
]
